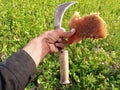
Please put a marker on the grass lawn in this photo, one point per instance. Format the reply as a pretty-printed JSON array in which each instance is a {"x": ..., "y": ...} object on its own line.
[{"x": 94, "y": 65}]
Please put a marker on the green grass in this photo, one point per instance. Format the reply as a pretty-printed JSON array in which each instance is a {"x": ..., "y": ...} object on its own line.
[{"x": 94, "y": 65}]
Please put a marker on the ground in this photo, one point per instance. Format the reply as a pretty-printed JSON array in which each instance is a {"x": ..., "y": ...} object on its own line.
[{"x": 94, "y": 65}]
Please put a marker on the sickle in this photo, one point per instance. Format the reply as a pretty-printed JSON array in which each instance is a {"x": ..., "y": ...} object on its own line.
[
  {"x": 63, "y": 57},
  {"x": 60, "y": 10}
]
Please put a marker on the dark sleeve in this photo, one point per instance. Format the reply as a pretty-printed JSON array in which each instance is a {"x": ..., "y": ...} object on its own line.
[{"x": 16, "y": 71}]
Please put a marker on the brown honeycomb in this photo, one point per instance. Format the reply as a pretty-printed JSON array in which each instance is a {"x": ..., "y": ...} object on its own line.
[{"x": 90, "y": 26}]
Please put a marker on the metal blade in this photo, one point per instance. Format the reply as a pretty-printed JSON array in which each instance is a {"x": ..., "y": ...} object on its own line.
[{"x": 60, "y": 12}]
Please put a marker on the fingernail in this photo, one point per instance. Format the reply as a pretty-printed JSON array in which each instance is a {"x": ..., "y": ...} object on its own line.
[{"x": 72, "y": 30}]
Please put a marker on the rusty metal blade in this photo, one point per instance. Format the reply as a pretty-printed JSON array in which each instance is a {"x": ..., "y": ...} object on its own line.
[{"x": 60, "y": 10}]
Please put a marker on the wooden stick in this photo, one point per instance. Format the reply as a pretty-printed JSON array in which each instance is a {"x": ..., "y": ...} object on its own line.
[{"x": 64, "y": 67}]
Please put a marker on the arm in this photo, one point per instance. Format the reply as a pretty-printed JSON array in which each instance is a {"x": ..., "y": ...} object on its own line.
[
  {"x": 18, "y": 69},
  {"x": 49, "y": 42}
]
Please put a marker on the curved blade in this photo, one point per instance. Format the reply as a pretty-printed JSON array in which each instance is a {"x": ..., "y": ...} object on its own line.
[{"x": 59, "y": 14}]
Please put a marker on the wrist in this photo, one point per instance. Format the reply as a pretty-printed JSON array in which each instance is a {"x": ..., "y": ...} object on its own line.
[{"x": 36, "y": 49}]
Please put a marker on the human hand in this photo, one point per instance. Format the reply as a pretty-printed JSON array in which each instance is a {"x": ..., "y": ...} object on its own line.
[
  {"x": 49, "y": 42},
  {"x": 55, "y": 39}
]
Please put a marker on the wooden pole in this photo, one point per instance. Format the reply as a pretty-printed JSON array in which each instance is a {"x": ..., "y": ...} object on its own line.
[{"x": 64, "y": 67}]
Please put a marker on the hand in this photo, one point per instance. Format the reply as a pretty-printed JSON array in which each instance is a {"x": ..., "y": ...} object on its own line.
[
  {"x": 55, "y": 39},
  {"x": 49, "y": 42}
]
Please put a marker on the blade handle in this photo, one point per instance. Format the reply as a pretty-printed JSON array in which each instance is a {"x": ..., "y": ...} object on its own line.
[
  {"x": 64, "y": 67},
  {"x": 64, "y": 64}
]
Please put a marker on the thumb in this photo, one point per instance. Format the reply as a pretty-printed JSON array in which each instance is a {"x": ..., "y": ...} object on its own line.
[{"x": 68, "y": 34}]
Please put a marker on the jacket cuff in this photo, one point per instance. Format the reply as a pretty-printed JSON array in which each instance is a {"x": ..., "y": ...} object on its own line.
[{"x": 22, "y": 66}]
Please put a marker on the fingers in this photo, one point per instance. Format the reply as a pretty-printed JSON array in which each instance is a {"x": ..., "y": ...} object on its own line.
[
  {"x": 63, "y": 34},
  {"x": 55, "y": 39},
  {"x": 68, "y": 34},
  {"x": 52, "y": 37},
  {"x": 55, "y": 35},
  {"x": 61, "y": 40},
  {"x": 60, "y": 45},
  {"x": 53, "y": 48},
  {"x": 56, "y": 47}
]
